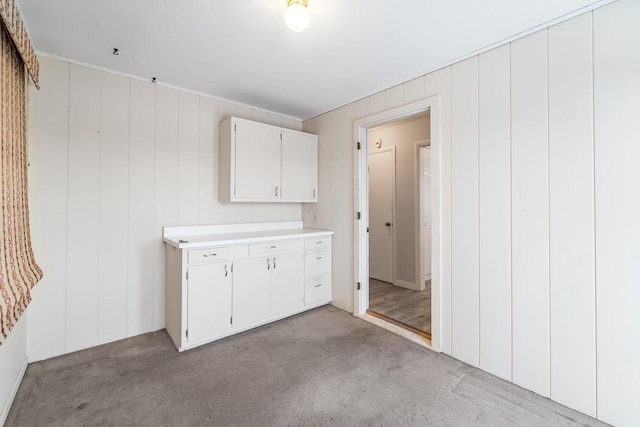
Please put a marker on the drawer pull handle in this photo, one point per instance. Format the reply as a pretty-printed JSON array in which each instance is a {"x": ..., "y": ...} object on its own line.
[
  {"x": 318, "y": 258},
  {"x": 319, "y": 242},
  {"x": 318, "y": 285},
  {"x": 208, "y": 255},
  {"x": 271, "y": 247}
]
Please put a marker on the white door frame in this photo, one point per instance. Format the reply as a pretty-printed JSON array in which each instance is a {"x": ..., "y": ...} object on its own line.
[
  {"x": 361, "y": 203},
  {"x": 393, "y": 209},
  {"x": 420, "y": 271}
]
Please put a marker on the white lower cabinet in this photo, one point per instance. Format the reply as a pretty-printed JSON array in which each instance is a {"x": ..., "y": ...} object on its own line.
[
  {"x": 317, "y": 289},
  {"x": 251, "y": 291},
  {"x": 208, "y": 300},
  {"x": 218, "y": 291},
  {"x": 286, "y": 277}
]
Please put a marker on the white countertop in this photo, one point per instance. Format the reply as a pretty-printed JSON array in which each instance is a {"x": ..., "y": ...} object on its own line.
[{"x": 222, "y": 235}]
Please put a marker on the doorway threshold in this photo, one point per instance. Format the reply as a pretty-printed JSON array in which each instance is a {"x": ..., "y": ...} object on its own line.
[{"x": 412, "y": 334}]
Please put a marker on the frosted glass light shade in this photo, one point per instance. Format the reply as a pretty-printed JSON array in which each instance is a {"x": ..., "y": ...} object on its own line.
[{"x": 297, "y": 15}]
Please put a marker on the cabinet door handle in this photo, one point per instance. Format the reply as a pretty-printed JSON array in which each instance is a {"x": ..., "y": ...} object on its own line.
[
  {"x": 274, "y": 263},
  {"x": 268, "y": 264},
  {"x": 226, "y": 272},
  {"x": 318, "y": 285},
  {"x": 276, "y": 191}
]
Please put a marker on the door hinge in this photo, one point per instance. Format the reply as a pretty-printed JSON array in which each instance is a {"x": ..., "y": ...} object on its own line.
[
  {"x": 187, "y": 275},
  {"x": 234, "y": 191},
  {"x": 234, "y": 127},
  {"x": 367, "y": 229},
  {"x": 358, "y": 215},
  {"x": 231, "y": 320},
  {"x": 358, "y": 145},
  {"x": 358, "y": 285},
  {"x": 280, "y": 136},
  {"x": 186, "y": 333}
]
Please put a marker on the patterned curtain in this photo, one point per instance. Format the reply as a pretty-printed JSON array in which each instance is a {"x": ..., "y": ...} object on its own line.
[{"x": 18, "y": 269}]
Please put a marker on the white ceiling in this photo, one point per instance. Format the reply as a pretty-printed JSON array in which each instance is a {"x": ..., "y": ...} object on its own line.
[{"x": 242, "y": 50}]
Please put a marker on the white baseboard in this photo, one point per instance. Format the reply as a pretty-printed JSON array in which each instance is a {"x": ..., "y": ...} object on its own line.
[
  {"x": 14, "y": 391},
  {"x": 407, "y": 285}
]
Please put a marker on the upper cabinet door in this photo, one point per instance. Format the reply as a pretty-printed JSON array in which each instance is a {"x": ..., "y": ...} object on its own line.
[
  {"x": 257, "y": 161},
  {"x": 299, "y": 167}
]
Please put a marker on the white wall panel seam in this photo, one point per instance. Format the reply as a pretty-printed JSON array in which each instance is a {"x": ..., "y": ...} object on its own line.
[
  {"x": 66, "y": 246},
  {"x": 595, "y": 195},
  {"x": 178, "y": 162},
  {"x": 546, "y": 31},
  {"x": 155, "y": 201},
  {"x": 128, "y": 212},
  {"x": 451, "y": 213},
  {"x": 478, "y": 203},
  {"x": 510, "y": 215},
  {"x": 99, "y": 211}
]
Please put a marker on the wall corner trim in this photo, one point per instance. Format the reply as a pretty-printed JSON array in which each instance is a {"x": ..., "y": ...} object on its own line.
[{"x": 14, "y": 391}]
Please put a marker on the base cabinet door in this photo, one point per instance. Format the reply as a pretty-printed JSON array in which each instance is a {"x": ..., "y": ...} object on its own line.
[
  {"x": 251, "y": 290},
  {"x": 287, "y": 283},
  {"x": 209, "y": 300}
]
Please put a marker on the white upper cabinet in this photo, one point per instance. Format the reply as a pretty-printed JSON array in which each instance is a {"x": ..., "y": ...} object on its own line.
[
  {"x": 299, "y": 167},
  {"x": 257, "y": 161},
  {"x": 264, "y": 163}
]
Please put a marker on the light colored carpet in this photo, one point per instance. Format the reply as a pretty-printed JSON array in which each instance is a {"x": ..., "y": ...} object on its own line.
[
  {"x": 323, "y": 367},
  {"x": 404, "y": 305}
]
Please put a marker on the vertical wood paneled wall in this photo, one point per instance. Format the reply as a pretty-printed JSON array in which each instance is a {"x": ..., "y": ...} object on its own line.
[
  {"x": 540, "y": 208},
  {"x": 113, "y": 160}
]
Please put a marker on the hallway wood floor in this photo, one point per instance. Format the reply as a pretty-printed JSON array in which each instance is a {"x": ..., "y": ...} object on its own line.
[{"x": 413, "y": 308}]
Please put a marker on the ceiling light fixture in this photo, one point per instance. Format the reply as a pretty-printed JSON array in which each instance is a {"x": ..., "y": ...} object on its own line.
[{"x": 297, "y": 15}]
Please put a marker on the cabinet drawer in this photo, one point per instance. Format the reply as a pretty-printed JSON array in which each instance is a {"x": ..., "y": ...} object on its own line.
[
  {"x": 208, "y": 255},
  {"x": 317, "y": 262},
  {"x": 317, "y": 289},
  {"x": 274, "y": 247},
  {"x": 318, "y": 242}
]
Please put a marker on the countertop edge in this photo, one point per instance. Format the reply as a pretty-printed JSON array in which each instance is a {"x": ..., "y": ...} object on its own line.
[{"x": 239, "y": 241}]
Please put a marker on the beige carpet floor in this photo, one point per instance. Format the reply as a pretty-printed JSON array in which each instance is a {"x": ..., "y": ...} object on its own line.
[{"x": 324, "y": 367}]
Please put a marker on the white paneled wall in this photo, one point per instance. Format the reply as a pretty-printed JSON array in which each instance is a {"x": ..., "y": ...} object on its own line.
[
  {"x": 113, "y": 160},
  {"x": 616, "y": 35},
  {"x": 539, "y": 213},
  {"x": 530, "y": 213},
  {"x": 571, "y": 215},
  {"x": 494, "y": 206},
  {"x": 465, "y": 320}
]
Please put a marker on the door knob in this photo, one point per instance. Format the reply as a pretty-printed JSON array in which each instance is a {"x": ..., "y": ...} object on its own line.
[{"x": 388, "y": 224}]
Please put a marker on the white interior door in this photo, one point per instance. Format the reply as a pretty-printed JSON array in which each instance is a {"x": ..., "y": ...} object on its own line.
[
  {"x": 257, "y": 161},
  {"x": 425, "y": 213},
  {"x": 382, "y": 173}
]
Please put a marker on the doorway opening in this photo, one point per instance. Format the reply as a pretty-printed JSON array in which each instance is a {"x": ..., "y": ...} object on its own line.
[
  {"x": 403, "y": 251},
  {"x": 399, "y": 192}
]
